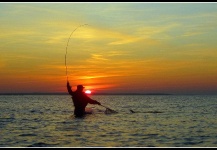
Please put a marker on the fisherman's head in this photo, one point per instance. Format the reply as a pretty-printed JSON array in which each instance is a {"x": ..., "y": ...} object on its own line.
[{"x": 80, "y": 87}]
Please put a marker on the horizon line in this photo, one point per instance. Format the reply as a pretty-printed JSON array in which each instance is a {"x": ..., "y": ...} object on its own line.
[
  {"x": 65, "y": 93},
  {"x": 101, "y": 93}
]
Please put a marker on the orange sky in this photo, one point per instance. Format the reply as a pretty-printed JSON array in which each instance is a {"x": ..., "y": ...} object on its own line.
[{"x": 126, "y": 47}]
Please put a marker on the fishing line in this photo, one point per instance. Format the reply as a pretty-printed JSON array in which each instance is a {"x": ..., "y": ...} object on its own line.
[{"x": 67, "y": 48}]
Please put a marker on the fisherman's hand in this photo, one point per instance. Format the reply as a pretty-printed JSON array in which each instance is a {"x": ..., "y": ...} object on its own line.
[
  {"x": 68, "y": 83},
  {"x": 98, "y": 103}
]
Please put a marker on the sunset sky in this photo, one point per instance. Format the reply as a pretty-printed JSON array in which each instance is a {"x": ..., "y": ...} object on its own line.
[{"x": 124, "y": 48}]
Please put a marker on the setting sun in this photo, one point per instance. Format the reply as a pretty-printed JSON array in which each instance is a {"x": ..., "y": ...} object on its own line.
[{"x": 88, "y": 92}]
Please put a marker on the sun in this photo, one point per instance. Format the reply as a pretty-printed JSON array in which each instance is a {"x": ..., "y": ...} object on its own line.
[{"x": 88, "y": 92}]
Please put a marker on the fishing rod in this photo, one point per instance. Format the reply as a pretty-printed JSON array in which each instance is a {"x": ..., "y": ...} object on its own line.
[
  {"x": 109, "y": 109},
  {"x": 113, "y": 111},
  {"x": 67, "y": 48}
]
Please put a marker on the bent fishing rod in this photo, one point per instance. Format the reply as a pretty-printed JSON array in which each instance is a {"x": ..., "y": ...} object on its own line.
[{"x": 67, "y": 48}]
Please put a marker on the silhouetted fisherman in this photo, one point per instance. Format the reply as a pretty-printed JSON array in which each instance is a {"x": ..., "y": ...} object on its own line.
[{"x": 80, "y": 100}]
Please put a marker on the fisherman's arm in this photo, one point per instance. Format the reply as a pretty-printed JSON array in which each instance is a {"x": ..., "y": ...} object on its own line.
[
  {"x": 94, "y": 102},
  {"x": 91, "y": 101},
  {"x": 69, "y": 88}
]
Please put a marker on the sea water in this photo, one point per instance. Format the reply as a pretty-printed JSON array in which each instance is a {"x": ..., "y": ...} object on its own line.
[{"x": 141, "y": 121}]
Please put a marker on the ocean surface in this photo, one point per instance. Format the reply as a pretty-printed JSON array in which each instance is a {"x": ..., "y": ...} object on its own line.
[{"x": 141, "y": 121}]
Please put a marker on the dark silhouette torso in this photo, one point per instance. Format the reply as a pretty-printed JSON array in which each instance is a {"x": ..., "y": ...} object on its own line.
[{"x": 80, "y": 101}]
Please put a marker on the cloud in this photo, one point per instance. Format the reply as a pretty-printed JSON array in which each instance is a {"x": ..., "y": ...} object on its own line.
[
  {"x": 13, "y": 33},
  {"x": 192, "y": 33}
]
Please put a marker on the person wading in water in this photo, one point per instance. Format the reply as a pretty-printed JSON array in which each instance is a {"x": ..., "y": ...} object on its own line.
[{"x": 80, "y": 100}]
